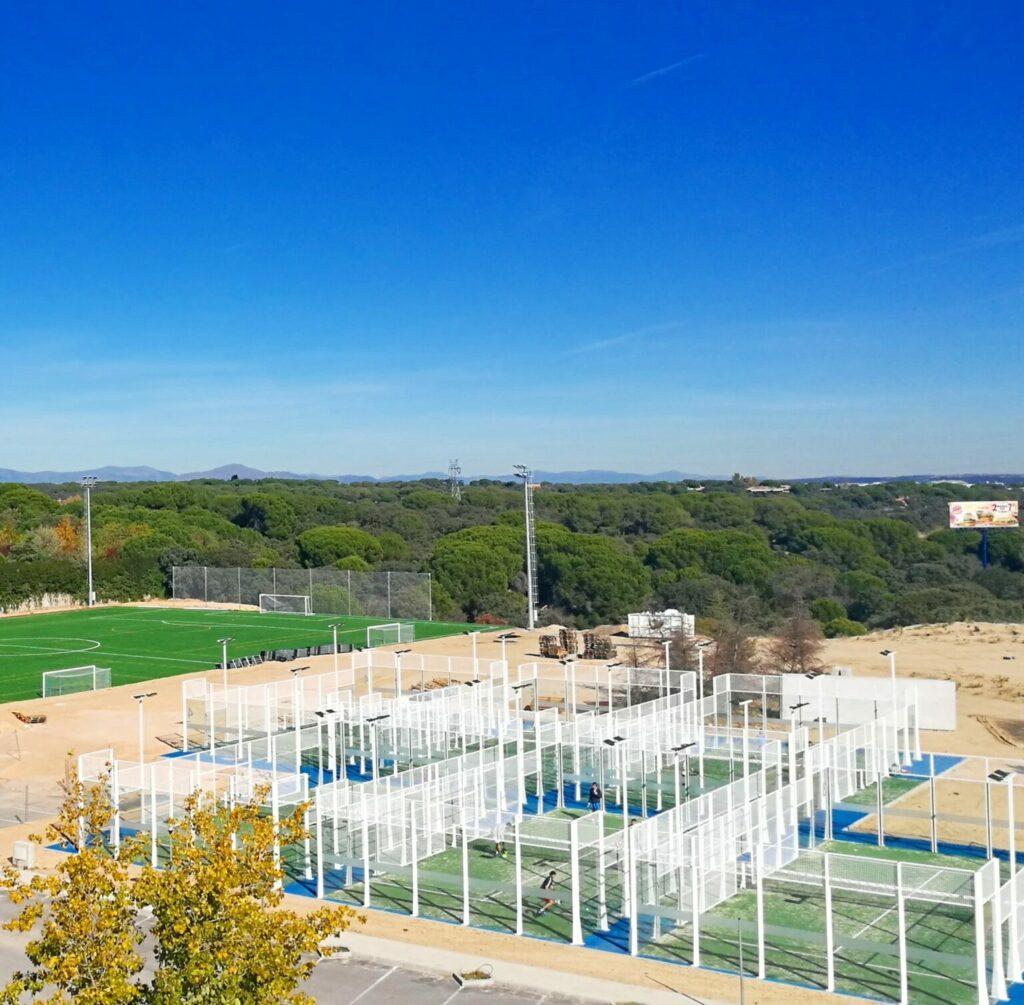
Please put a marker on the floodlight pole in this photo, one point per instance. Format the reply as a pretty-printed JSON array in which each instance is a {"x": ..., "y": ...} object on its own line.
[
  {"x": 399, "y": 653},
  {"x": 334, "y": 629},
  {"x": 503, "y": 639},
  {"x": 892, "y": 677},
  {"x": 472, "y": 638},
  {"x": 87, "y": 483},
  {"x": 700, "y": 669},
  {"x": 141, "y": 699},
  {"x": 224, "y": 661},
  {"x": 745, "y": 705},
  {"x": 524, "y": 473}
]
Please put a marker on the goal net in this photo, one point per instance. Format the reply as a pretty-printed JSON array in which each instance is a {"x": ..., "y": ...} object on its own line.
[
  {"x": 74, "y": 679},
  {"x": 285, "y": 603},
  {"x": 386, "y": 635}
]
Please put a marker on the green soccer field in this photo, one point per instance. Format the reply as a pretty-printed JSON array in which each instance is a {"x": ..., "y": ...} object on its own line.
[{"x": 142, "y": 643}]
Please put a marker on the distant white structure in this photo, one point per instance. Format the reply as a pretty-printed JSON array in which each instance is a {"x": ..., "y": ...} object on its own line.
[
  {"x": 763, "y": 490},
  {"x": 660, "y": 624}
]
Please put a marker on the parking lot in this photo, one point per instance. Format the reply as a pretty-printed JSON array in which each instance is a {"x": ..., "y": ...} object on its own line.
[{"x": 367, "y": 983}]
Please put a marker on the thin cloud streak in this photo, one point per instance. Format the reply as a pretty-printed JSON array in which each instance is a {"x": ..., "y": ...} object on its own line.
[
  {"x": 991, "y": 239},
  {"x": 663, "y": 71},
  {"x": 614, "y": 340}
]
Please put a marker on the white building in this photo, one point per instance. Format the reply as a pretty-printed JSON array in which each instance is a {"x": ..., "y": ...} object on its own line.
[{"x": 660, "y": 624}]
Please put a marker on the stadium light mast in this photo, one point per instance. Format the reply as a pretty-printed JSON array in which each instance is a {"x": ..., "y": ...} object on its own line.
[
  {"x": 87, "y": 483},
  {"x": 141, "y": 700},
  {"x": 455, "y": 481},
  {"x": 526, "y": 476},
  {"x": 224, "y": 660}
]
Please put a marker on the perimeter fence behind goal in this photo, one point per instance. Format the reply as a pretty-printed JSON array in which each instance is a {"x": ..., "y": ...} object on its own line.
[{"x": 331, "y": 591}]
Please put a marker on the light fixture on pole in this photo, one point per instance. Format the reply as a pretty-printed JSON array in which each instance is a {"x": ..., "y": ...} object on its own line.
[
  {"x": 224, "y": 659},
  {"x": 892, "y": 674},
  {"x": 683, "y": 749},
  {"x": 374, "y": 768},
  {"x": 519, "y": 688},
  {"x": 325, "y": 715},
  {"x": 504, "y": 639},
  {"x": 398, "y": 654},
  {"x": 334, "y": 629},
  {"x": 745, "y": 705},
  {"x": 701, "y": 646},
  {"x": 87, "y": 483},
  {"x": 141, "y": 698},
  {"x": 525, "y": 475},
  {"x": 472, "y": 635}
]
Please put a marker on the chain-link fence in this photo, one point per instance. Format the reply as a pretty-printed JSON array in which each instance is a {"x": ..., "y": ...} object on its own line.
[
  {"x": 331, "y": 591},
  {"x": 22, "y": 802}
]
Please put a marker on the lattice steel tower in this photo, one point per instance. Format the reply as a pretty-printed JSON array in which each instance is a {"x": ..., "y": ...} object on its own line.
[
  {"x": 454, "y": 481},
  {"x": 526, "y": 475}
]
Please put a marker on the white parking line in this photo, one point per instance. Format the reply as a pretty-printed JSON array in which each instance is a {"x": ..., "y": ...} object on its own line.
[{"x": 363, "y": 994}]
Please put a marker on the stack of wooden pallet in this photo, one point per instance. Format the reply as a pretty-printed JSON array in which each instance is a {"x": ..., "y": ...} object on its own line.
[
  {"x": 551, "y": 647},
  {"x": 597, "y": 647}
]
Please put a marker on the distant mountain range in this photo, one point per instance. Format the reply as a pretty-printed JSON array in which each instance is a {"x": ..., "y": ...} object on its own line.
[{"x": 143, "y": 473}]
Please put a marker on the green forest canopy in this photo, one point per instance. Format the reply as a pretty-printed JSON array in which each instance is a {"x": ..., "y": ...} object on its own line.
[{"x": 858, "y": 556}]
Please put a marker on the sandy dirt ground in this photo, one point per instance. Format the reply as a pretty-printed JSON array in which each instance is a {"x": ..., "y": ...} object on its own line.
[{"x": 990, "y": 690}]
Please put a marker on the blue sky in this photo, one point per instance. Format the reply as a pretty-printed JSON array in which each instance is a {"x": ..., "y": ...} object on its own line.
[{"x": 777, "y": 238}]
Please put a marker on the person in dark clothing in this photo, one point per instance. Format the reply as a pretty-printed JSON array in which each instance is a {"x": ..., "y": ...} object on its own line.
[
  {"x": 547, "y": 885},
  {"x": 594, "y": 797}
]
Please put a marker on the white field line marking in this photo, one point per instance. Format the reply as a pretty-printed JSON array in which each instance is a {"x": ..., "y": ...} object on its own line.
[
  {"x": 158, "y": 659},
  {"x": 871, "y": 924},
  {"x": 911, "y": 971},
  {"x": 364, "y": 993},
  {"x": 93, "y": 644},
  {"x": 451, "y": 996},
  {"x": 261, "y": 626}
]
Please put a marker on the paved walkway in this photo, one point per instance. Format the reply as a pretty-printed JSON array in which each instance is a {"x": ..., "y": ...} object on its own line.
[
  {"x": 537, "y": 984},
  {"x": 379, "y": 972}
]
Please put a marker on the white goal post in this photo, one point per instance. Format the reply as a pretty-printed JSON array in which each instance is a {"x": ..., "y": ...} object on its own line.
[
  {"x": 74, "y": 679},
  {"x": 285, "y": 603},
  {"x": 386, "y": 635}
]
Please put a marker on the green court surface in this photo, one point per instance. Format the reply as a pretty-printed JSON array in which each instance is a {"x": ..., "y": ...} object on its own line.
[
  {"x": 940, "y": 936},
  {"x": 892, "y": 789},
  {"x": 493, "y": 887},
  {"x": 142, "y": 643}
]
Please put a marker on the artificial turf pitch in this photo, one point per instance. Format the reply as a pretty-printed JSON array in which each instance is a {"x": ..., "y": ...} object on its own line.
[{"x": 143, "y": 643}]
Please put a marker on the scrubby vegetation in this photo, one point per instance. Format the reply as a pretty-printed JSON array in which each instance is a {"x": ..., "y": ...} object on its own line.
[{"x": 854, "y": 557}]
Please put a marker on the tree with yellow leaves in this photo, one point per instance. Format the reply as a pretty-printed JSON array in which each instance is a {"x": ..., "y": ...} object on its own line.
[
  {"x": 88, "y": 943},
  {"x": 219, "y": 933},
  {"x": 68, "y": 536}
]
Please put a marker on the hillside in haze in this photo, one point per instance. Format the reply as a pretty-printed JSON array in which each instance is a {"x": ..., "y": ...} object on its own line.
[{"x": 226, "y": 472}]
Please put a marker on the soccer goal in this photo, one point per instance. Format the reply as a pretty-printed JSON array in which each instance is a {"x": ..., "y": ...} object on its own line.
[
  {"x": 285, "y": 603},
  {"x": 74, "y": 680},
  {"x": 386, "y": 635}
]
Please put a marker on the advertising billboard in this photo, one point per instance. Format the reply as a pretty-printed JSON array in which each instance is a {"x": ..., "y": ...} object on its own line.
[{"x": 979, "y": 515}]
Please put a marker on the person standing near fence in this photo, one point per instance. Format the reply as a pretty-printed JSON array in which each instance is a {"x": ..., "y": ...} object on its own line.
[{"x": 546, "y": 887}]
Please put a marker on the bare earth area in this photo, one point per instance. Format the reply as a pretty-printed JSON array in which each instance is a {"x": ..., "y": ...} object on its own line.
[{"x": 990, "y": 692}]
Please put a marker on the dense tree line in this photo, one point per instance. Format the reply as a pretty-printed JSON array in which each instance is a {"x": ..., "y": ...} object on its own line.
[{"x": 854, "y": 557}]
